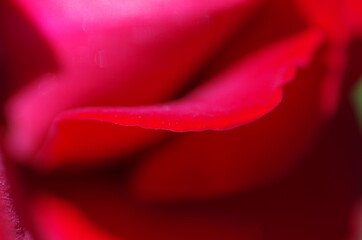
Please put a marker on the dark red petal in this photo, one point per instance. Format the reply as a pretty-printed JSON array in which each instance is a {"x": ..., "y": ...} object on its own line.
[
  {"x": 337, "y": 19},
  {"x": 241, "y": 94},
  {"x": 61, "y": 220},
  {"x": 17, "y": 64},
  {"x": 356, "y": 225},
  {"x": 10, "y": 226},
  {"x": 314, "y": 202},
  {"x": 198, "y": 165}
]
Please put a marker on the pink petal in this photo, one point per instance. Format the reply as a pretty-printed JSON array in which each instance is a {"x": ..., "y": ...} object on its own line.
[{"x": 113, "y": 53}]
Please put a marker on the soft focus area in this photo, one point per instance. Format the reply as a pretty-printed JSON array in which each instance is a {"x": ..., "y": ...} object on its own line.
[{"x": 180, "y": 119}]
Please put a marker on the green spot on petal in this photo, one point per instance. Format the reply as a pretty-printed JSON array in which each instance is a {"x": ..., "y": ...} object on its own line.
[{"x": 357, "y": 98}]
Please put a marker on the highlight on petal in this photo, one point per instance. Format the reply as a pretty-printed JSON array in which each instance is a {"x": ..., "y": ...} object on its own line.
[
  {"x": 55, "y": 219},
  {"x": 115, "y": 53},
  {"x": 243, "y": 93}
]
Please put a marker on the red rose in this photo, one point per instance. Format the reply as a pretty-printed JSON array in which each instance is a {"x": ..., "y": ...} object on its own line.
[{"x": 161, "y": 119}]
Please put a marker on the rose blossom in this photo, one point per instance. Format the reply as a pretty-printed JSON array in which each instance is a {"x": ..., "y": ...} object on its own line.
[{"x": 161, "y": 119}]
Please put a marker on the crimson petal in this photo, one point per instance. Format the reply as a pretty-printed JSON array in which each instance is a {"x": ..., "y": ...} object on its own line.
[
  {"x": 314, "y": 202},
  {"x": 245, "y": 92}
]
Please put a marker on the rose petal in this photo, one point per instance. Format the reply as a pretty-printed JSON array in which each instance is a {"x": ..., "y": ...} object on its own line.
[
  {"x": 60, "y": 220},
  {"x": 313, "y": 203},
  {"x": 16, "y": 55},
  {"x": 198, "y": 165},
  {"x": 6, "y": 230},
  {"x": 355, "y": 10},
  {"x": 116, "y": 53},
  {"x": 243, "y": 93},
  {"x": 29, "y": 118},
  {"x": 341, "y": 19},
  {"x": 10, "y": 226},
  {"x": 333, "y": 16}
]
